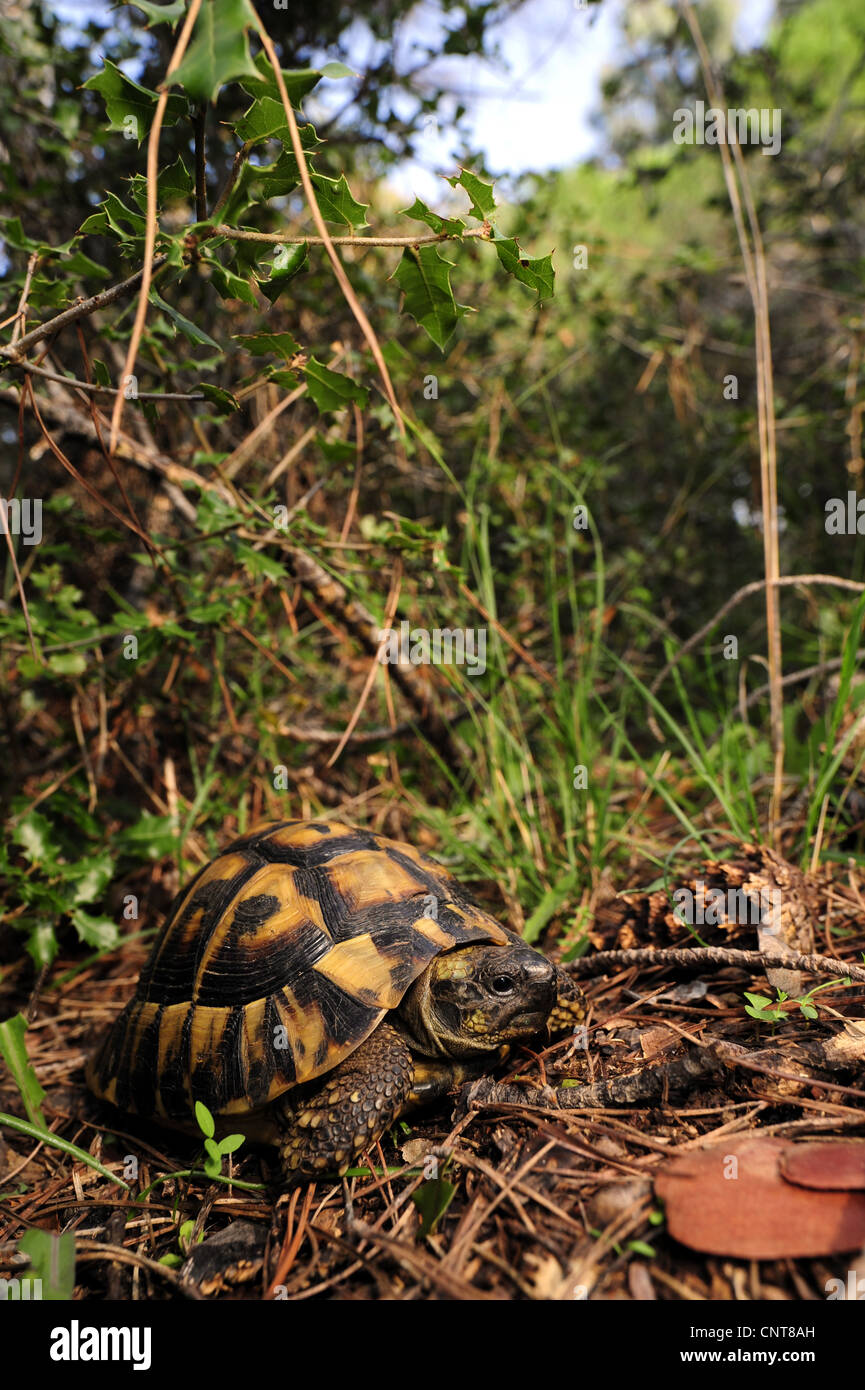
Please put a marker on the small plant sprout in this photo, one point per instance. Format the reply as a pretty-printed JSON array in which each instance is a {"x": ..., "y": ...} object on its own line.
[
  {"x": 769, "y": 1011},
  {"x": 215, "y": 1151}
]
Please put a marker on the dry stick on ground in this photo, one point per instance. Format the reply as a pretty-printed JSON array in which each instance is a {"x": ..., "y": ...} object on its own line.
[
  {"x": 755, "y": 274},
  {"x": 151, "y": 223},
  {"x": 695, "y": 958}
]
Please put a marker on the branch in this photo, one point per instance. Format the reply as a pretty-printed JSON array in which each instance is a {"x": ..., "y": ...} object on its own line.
[
  {"x": 338, "y": 267},
  {"x": 694, "y": 957},
  {"x": 22, "y": 365},
  {"x": 283, "y": 238},
  {"x": 80, "y": 310},
  {"x": 151, "y": 227}
]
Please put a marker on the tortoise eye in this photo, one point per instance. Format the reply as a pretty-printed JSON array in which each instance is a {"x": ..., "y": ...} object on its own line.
[{"x": 502, "y": 984}]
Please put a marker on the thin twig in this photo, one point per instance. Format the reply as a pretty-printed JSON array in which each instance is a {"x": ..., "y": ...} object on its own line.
[
  {"x": 694, "y": 957},
  {"x": 289, "y": 239},
  {"x": 151, "y": 227},
  {"x": 338, "y": 268},
  {"x": 23, "y": 365},
  {"x": 745, "y": 592},
  {"x": 80, "y": 310}
]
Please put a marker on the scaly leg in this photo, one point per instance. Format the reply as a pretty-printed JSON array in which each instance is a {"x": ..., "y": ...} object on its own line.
[{"x": 357, "y": 1102}]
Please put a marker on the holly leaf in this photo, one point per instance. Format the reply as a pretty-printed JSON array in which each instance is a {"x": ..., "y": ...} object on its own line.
[
  {"x": 173, "y": 185},
  {"x": 219, "y": 51},
  {"x": 260, "y": 343},
  {"x": 161, "y": 14},
  {"x": 337, "y": 203},
  {"x": 298, "y": 81},
  {"x": 288, "y": 262},
  {"x": 424, "y": 278},
  {"x": 451, "y": 226},
  {"x": 275, "y": 180},
  {"x": 229, "y": 285},
  {"x": 331, "y": 390},
  {"x": 35, "y": 836},
  {"x": 265, "y": 117},
  {"x": 538, "y": 274},
  {"x": 480, "y": 194},
  {"x": 129, "y": 106},
  {"x": 92, "y": 877},
  {"x": 109, "y": 217},
  {"x": 99, "y": 932},
  {"x": 186, "y": 327},
  {"x": 224, "y": 401}
]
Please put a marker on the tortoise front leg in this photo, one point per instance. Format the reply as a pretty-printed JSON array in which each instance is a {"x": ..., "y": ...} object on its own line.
[
  {"x": 570, "y": 1007},
  {"x": 357, "y": 1102}
]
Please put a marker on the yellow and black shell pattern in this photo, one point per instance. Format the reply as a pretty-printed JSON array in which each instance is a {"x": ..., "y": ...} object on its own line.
[{"x": 276, "y": 962}]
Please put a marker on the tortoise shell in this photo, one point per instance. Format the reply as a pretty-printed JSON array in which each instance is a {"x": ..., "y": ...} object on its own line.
[{"x": 275, "y": 963}]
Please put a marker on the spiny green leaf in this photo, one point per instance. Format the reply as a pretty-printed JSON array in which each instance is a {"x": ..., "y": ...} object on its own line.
[
  {"x": 129, "y": 106},
  {"x": 42, "y": 943},
  {"x": 112, "y": 214},
  {"x": 92, "y": 877},
  {"x": 423, "y": 275},
  {"x": 152, "y": 835},
  {"x": 13, "y": 1049},
  {"x": 288, "y": 262},
  {"x": 173, "y": 185},
  {"x": 419, "y": 211},
  {"x": 188, "y": 329},
  {"x": 35, "y": 834},
  {"x": 259, "y": 343},
  {"x": 337, "y": 203},
  {"x": 480, "y": 193},
  {"x": 265, "y": 117},
  {"x": 219, "y": 50},
  {"x": 331, "y": 390},
  {"x": 298, "y": 81},
  {"x": 161, "y": 14},
  {"x": 538, "y": 274},
  {"x": 229, "y": 285},
  {"x": 99, "y": 932}
]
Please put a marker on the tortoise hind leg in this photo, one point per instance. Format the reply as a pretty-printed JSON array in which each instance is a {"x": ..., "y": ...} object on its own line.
[{"x": 356, "y": 1103}]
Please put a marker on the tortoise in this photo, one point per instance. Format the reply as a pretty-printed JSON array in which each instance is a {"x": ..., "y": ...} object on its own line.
[{"x": 314, "y": 982}]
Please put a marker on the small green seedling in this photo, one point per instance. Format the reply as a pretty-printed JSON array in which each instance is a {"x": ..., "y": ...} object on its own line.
[
  {"x": 185, "y": 1243},
  {"x": 215, "y": 1151},
  {"x": 769, "y": 1011},
  {"x": 432, "y": 1200}
]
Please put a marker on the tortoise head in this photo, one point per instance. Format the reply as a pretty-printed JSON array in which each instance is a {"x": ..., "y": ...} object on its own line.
[{"x": 475, "y": 998}]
